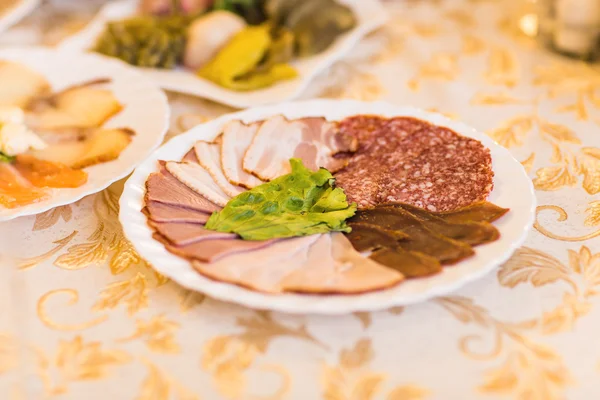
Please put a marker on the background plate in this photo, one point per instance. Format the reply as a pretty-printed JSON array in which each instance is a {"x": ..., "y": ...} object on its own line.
[
  {"x": 146, "y": 111},
  {"x": 370, "y": 13},
  {"x": 17, "y": 13},
  {"x": 512, "y": 189}
]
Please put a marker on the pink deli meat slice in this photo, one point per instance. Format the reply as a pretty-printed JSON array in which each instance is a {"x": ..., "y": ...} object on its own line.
[
  {"x": 312, "y": 264},
  {"x": 190, "y": 156},
  {"x": 263, "y": 269},
  {"x": 163, "y": 187},
  {"x": 181, "y": 234},
  {"x": 236, "y": 139},
  {"x": 209, "y": 156},
  {"x": 214, "y": 250},
  {"x": 199, "y": 180},
  {"x": 160, "y": 212},
  {"x": 333, "y": 266},
  {"x": 313, "y": 140}
]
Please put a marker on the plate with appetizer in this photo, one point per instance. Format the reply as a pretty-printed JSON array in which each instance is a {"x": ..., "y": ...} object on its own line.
[
  {"x": 328, "y": 206},
  {"x": 241, "y": 53},
  {"x": 12, "y": 11},
  {"x": 70, "y": 125}
]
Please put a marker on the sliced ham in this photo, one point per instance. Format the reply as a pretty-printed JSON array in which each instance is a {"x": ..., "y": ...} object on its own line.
[
  {"x": 190, "y": 156},
  {"x": 333, "y": 266},
  {"x": 182, "y": 234},
  {"x": 314, "y": 140},
  {"x": 236, "y": 139},
  {"x": 160, "y": 212},
  {"x": 264, "y": 269},
  {"x": 163, "y": 187},
  {"x": 195, "y": 177},
  {"x": 214, "y": 250},
  {"x": 310, "y": 264},
  {"x": 209, "y": 156}
]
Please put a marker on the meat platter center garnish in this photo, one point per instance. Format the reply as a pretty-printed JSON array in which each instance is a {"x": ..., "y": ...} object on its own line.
[{"x": 315, "y": 206}]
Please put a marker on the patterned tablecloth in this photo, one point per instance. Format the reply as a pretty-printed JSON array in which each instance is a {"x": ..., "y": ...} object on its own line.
[{"x": 82, "y": 317}]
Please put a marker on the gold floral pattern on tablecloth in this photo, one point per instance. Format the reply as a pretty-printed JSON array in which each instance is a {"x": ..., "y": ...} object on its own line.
[{"x": 86, "y": 316}]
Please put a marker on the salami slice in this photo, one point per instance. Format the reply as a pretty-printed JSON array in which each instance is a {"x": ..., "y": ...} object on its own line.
[{"x": 411, "y": 161}]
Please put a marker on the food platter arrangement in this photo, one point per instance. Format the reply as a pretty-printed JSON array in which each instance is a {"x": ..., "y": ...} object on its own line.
[
  {"x": 70, "y": 125},
  {"x": 328, "y": 206},
  {"x": 320, "y": 206},
  {"x": 241, "y": 53}
]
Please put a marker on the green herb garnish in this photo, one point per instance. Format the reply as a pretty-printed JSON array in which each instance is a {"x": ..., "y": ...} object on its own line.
[
  {"x": 6, "y": 158},
  {"x": 297, "y": 204}
]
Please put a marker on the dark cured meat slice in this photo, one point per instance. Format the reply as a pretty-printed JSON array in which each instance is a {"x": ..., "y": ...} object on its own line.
[
  {"x": 410, "y": 263},
  {"x": 471, "y": 233},
  {"x": 479, "y": 212},
  {"x": 411, "y": 161},
  {"x": 182, "y": 234},
  {"x": 159, "y": 212},
  {"x": 367, "y": 237},
  {"x": 163, "y": 187},
  {"x": 421, "y": 239}
]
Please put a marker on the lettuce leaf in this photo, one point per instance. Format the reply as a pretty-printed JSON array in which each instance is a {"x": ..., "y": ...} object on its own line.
[{"x": 297, "y": 204}]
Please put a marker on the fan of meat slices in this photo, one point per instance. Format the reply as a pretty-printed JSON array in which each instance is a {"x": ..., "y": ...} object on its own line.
[
  {"x": 47, "y": 138},
  {"x": 316, "y": 206}
]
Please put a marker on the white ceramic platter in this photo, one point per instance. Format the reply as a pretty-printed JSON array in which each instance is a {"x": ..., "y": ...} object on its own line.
[
  {"x": 19, "y": 11},
  {"x": 370, "y": 14},
  {"x": 145, "y": 111},
  {"x": 512, "y": 189}
]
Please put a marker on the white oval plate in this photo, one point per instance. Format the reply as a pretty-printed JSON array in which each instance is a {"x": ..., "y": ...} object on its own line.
[
  {"x": 17, "y": 13},
  {"x": 370, "y": 14},
  {"x": 512, "y": 189},
  {"x": 145, "y": 110}
]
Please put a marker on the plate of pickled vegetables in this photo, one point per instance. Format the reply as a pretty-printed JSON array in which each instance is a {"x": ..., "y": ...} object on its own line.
[{"x": 237, "y": 52}]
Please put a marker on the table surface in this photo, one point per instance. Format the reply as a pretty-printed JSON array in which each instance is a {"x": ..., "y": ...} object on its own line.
[{"x": 84, "y": 318}]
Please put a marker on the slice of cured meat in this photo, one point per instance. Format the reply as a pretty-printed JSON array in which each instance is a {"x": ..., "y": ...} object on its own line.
[
  {"x": 236, "y": 139},
  {"x": 182, "y": 234},
  {"x": 160, "y": 212},
  {"x": 420, "y": 239},
  {"x": 479, "y": 212},
  {"x": 333, "y": 266},
  {"x": 163, "y": 187},
  {"x": 471, "y": 232},
  {"x": 411, "y": 161},
  {"x": 214, "y": 250},
  {"x": 261, "y": 270},
  {"x": 411, "y": 264},
  {"x": 311, "y": 264},
  {"x": 209, "y": 156},
  {"x": 367, "y": 237},
  {"x": 190, "y": 156},
  {"x": 314, "y": 140},
  {"x": 199, "y": 180}
]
